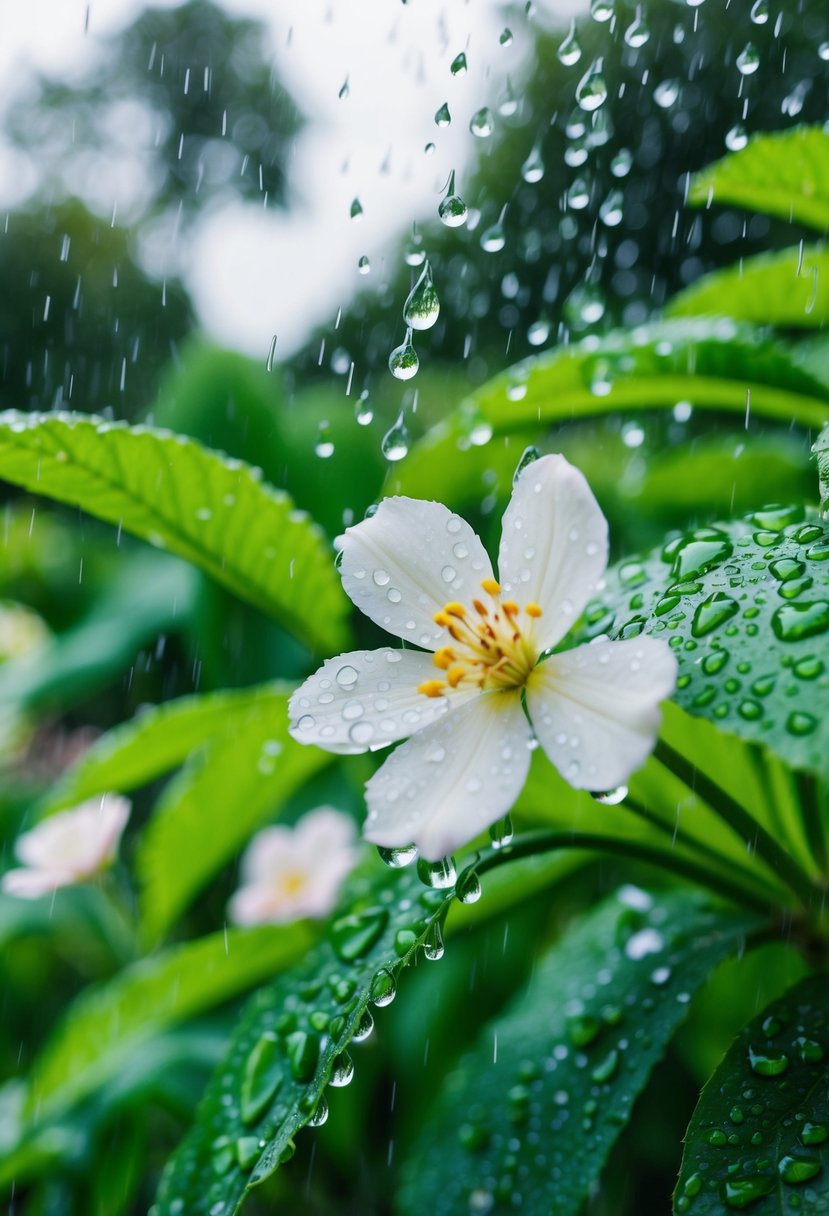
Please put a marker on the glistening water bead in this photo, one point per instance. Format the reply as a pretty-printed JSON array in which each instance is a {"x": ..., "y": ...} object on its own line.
[
  {"x": 422, "y": 307},
  {"x": 403, "y": 360},
  {"x": 452, "y": 210}
]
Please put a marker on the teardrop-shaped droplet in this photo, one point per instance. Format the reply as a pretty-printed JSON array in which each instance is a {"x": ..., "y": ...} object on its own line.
[
  {"x": 383, "y": 988},
  {"x": 570, "y": 50},
  {"x": 344, "y": 90},
  {"x": 364, "y": 265},
  {"x": 591, "y": 91},
  {"x": 458, "y": 66},
  {"x": 760, "y": 12},
  {"x": 324, "y": 446},
  {"x": 442, "y": 116},
  {"x": 342, "y": 1070},
  {"x": 748, "y": 60},
  {"x": 422, "y": 307},
  {"x": 637, "y": 34},
  {"x": 262, "y": 1077},
  {"x": 505, "y": 37},
  {"x": 452, "y": 210},
  {"x": 433, "y": 948},
  {"x": 403, "y": 360},
  {"x": 493, "y": 238},
  {"x": 396, "y": 858},
  {"x": 610, "y": 212},
  {"x": 363, "y": 409},
  {"x": 532, "y": 169},
  {"x": 601, "y": 10},
  {"x": 353, "y": 936},
  {"x": 356, "y": 209},
  {"x": 437, "y": 874},
  {"x": 482, "y": 123},
  {"x": 468, "y": 886},
  {"x": 302, "y": 1049},
  {"x": 414, "y": 254},
  {"x": 501, "y": 832},
  {"x": 395, "y": 443},
  {"x": 528, "y": 457},
  {"x": 736, "y": 137}
]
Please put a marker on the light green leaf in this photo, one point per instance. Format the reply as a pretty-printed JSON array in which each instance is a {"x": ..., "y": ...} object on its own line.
[
  {"x": 759, "y": 1137},
  {"x": 785, "y": 174},
  {"x": 821, "y": 450},
  {"x": 171, "y": 491},
  {"x": 712, "y": 364},
  {"x": 157, "y": 740},
  {"x": 102, "y": 1031},
  {"x": 786, "y": 288},
  {"x": 209, "y": 810},
  {"x": 529, "y": 1116},
  {"x": 149, "y": 594},
  {"x": 291, "y": 1042},
  {"x": 746, "y": 607}
]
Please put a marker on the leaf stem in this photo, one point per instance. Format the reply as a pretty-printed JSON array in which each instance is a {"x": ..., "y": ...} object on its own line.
[
  {"x": 742, "y": 822},
  {"x": 531, "y": 843}
]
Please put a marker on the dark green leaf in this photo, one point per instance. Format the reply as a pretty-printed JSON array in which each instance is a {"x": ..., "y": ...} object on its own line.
[
  {"x": 171, "y": 491},
  {"x": 746, "y": 607},
  {"x": 290, "y": 1044},
  {"x": 759, "y": 1137},
  {"x": 106, "y": 1026},
  {"x": 786, "y": 288},
  {"x": 785, "y": 174},
  {"x": 208, "y": 811},
  {"x": 821, "y": 451},
  {"x": 529, "y": 1116},
  {"x": 712, "y": 364}
]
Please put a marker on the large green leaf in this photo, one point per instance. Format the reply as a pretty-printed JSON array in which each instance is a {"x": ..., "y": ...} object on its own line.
[
  {"x": 529, "y": 1116},
  {"x": 208, "y": 811},
  {"x": 788, "y": 288},
  {"x": 156, "y": 740},
  {"x": 712, "y": 364},
  {"x": 105, "y": 1027},
  {"x": 291, "y": 1043},
  {"x": 745, "y": 605},
  {"x": 820, "y": 449},
  {"x": 149, "y": 595},
  {"x": 178, "y": 495},
  {"x": 759, "y": 1138},
  {"x": 785, "y": 174}
]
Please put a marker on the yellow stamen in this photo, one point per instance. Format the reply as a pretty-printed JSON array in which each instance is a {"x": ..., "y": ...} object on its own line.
[
  {"x": 510, "y": 607},
  {"x": 533, "y": 610},
  {"x": 442, "y": 618},
  {"x": 491, "y": 586},
  {"x": 480, "y": 608},
  {"x": 455, "y": 609},
  {"x": 455, "y": 674},
  {"x": 444, "y": 658},
  {"x": 432, "y": 688}
]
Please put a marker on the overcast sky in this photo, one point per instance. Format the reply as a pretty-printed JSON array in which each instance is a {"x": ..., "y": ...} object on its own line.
[{"x": 255, "y": 273}]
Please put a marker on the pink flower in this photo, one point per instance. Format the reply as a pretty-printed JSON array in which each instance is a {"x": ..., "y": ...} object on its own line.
[{"x": 68, "y": 847}]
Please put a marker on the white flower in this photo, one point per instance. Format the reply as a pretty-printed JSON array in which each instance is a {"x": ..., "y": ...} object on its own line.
[
  {"x": 68, "y": 847},
  {"x": 288, "y": 873},
  {"x": 421, "y": 573}
]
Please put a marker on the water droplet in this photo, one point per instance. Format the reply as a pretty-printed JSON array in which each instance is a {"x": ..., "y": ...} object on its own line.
[
  {"x": 605, "y": 1070},
  {"x": 796, "y": 1170},
  {"x": 398, "y": 857},
  {"x": 383, "y": 988},
  {"x": 356, "y": 209},
  {"x": 767, "y": 1063},
  {"x": 395, "y": 443},
  {"x": 422, "y": 306},
  {"x": 809, "y": 1050},
  {"x": 637, "y": 34},
  {"x": 364, "y": 265},
  {"x": 713, "y": 612},
  {"x": 748, "y": 60},
  {"x": 403, "y": 360},
  {"x": 760, "y": 12},
  {"x": 302, "y": 1050},
  {"x": 736, "y": 137},
  {"x": 622, "y": 163},
  {"x": 439, "y": 875},
  {"x": 501, "y": 832},
  {"x": 347, "y": 676},
  {"x": 601, "y": 10},
  {"x": 468, "y": 886},
  {"x": 261, "y": 1079},
  {"x": 611, "y": 797},
  {"x": 452, "y": 210},
  {"x": 578, "y": 194},
  {"x": 493, "y": 238},
  {"x": 363, "y": 410},
  {"x": 324, "y": 447},
  {"x": 414, "y": 254},
  {"x": 570, "y": 50},
  {"x": 582, "y": 1029},
  {"x": 611, "y": 210},
  {"x": 814, "y": 1133},
  {"x": 532, "y": 169},
  {"x": 342, "y": 1070},
  {"x": 800, "y": 723},
  {"x": 505, "y": 37},
  {"x": 353, "y": 936},
  {"x": 666, "y": 93},
  {"x": 716, "y": 1137},
  {"x": 458, "y": 66},
  {"x": 793, "y": 622},
  {"x": 364, "y": 1027},
  {"x": 482, "y": 123},
  {"x": 743, "y": 1192},
  {"x": 591, "y": 91},
  {"x": 247, "y": 1152},
  {"x": 433, "y": 948}
]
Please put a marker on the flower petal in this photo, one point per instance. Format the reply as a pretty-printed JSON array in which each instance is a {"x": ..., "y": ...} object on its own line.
[
  {"x": 366, "y": 699},
  {"x": 595, "y": 709},
  {"x": 553, "y": 545},
  {"x": 453, "y": 779},
  {"x": 81, "y": 840},
  {"x": 404, "y": 563},
  {"x": 33, "y": 884}
]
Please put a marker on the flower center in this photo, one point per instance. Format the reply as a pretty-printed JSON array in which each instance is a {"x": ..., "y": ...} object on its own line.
[
  {"x": 492, "y": 644},
  {"x": 292, "y": 882}
]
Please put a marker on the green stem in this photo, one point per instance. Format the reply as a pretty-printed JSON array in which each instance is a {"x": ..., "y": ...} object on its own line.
[
  {"x": 532, "y": 843},
  {"x": 807, "y": 792},
  {"x": 742, "y": 822}
]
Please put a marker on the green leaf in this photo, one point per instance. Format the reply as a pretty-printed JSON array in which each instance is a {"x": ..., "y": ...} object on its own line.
[
  {"x": 759, "y": 1137},
  {"x": 157, "y": 740},
  {"x": 785, "y": 174},
  {"x": 291, "y": 1043},
  {"x": 712, "y": 364},
  {"x": 180, "y": 496},
  {"x": 222, "y": 795},
  {"x": 150, "y": 594},
  {"x": 787, "y": 288},
  {"x": 746, "y": 607},
  {"x": 529, "y": 1116},
  {"x": 105, "y": 1027},
  {"x": 821, "y": 451}
]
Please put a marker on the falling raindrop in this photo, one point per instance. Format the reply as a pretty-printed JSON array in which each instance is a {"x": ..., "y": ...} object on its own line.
[
  {"x": 442, "y": 117},
  {"x": 422, "y": 306},
  {"x": 736, "y": 137},
  {"x": 324, "y": 446},
  {"x": 622, "y": 162},
  {"x": 363, "y": 410},
  {"x": 610, "y": 212},
  {"x": 592, "y": 90},
  {"x": 637, "y": 34},
  {"x": 414, "y": 254},
  {"x": 601, "y": 10},
  {"x": 452, "y": 210},
  {"x": 356, "y": 209},
  {"x": 760, "y": 12},
  {"x": 344, "y": 90},
  {"x": 482, "y": 123},
  {"x": 570, "y": 50},
  {"x": 458, "y": 66},
  {"x": 403, "y": 360},
  {"x": 666, "y": 93},
  {"x": 532, "y": 169},
  {"x": 748, "y": 60},
  {"x": 505, "y": 37},
  {"x": 493, "y": 238},
  {"x": 395, "y": 443},
  {"x": 364, "y": 265}
]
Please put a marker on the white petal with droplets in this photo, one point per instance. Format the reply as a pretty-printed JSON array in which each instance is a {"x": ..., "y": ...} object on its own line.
[
  {"x": 366, "y": 699},
  {"x": 553, "y": 545},
  {"x": 452, "y": 780},
  {"x": 595, "y": 709},
  {"x": 409, "y": 559}
]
